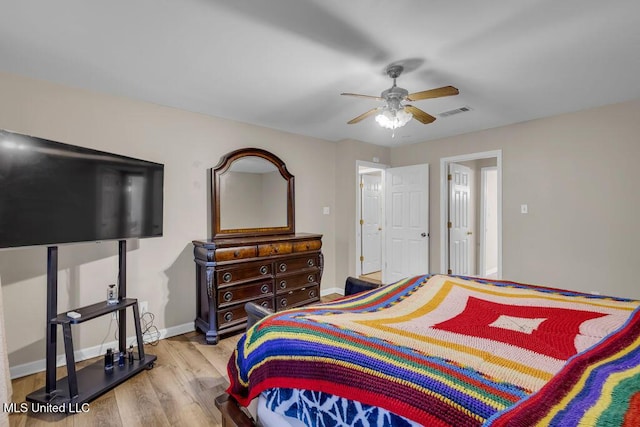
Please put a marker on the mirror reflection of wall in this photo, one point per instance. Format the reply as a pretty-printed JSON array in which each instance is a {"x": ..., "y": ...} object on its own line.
[{"x": 253, "y": 194}]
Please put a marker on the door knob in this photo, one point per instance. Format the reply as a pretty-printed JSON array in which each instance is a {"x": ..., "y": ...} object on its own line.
[
  {"x": 423, "y": 234},
  {"x": 469, "y": 233}
]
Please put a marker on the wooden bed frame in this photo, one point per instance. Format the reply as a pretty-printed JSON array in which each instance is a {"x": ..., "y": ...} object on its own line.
[{"x": 232, "y": 415}]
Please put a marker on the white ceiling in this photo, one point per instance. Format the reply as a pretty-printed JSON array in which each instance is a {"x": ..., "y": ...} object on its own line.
[{"x": 283, "y": 63}]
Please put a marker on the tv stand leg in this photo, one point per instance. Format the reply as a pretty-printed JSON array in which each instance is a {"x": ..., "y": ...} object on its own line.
[
  {"x": 71, "y": 361},
  {"x": 52, "y": 311}
]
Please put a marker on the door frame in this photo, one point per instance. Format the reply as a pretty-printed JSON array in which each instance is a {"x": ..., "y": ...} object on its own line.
[
  {"x": 444, "y": 203},
  {"x": 358, "y": 235}
]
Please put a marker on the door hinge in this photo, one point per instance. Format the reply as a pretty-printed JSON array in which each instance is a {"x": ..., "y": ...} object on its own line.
[
  {"x": 361, "y": 221},
  {"x": 449, "y": 224},
  {"x": 449, "y": 271},
  {"x": 449, "y": 177},
  {"x": 361, "y": 258},
  {"x": 362, "y": 185}
]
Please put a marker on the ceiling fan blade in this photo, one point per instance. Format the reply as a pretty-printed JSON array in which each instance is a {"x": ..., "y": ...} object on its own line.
[
  {"x": 363, "y": 116},
  {"x": 363, "y": 96},
  {"x": 420, "y": 115},
  {"x": 433, "y": 93}
]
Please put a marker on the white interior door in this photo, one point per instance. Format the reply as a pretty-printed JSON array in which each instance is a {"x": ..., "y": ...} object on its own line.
[
  {"x": 371, "y": 222},
  {"x": 406, "y": 196},
  {"x": 460, "y": 234}
]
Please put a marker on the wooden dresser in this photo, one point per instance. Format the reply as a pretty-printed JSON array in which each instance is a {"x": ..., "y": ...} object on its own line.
[{"x": 278, "y": 272}]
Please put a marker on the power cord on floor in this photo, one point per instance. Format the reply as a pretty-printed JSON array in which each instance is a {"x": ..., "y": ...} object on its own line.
[{"x": 150, "y": 333}]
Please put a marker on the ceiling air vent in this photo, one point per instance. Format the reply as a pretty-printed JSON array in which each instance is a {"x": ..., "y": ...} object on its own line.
[{"x": 456, "y": 111}]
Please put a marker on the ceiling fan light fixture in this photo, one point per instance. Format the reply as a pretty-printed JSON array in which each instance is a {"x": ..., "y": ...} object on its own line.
[{"x": 393, "y": 119}]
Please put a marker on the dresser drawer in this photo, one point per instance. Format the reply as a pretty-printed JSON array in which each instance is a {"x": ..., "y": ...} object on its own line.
[
  {"x": 297, "y": 297},
  {"x": 235, "y": 314},
  {"x": 287, "y": 283},
  {"x": 242, "y": 293},
  {"x": 275, "y": 249},
  {"x": 243, "y": 272},
  {"x": 229, "y": 254},
  {"x": 307, "y": 245},
  {"x": 291, "y": 265}
]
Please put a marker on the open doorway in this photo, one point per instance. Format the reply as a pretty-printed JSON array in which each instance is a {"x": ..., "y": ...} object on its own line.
[
  {"x": 471, "y": 221},
  {"x": 369, "y": 219}
]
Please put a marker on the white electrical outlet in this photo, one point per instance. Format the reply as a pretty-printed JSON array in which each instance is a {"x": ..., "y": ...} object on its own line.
[{"x": 144, "y": 307}]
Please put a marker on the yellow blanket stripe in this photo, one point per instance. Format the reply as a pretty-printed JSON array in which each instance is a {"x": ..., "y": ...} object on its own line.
[
  {"x": 379, "y": 375},
  {"x": 581, "y": 383},
  {"x": 350, "y": 347}
]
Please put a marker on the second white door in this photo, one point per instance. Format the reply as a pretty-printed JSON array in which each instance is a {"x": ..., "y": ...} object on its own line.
[
  {"x": 371, "y": 194},
  {"x": 460, "y": 234}
]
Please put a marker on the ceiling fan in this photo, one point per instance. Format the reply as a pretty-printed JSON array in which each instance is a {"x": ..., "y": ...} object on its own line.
[{"x": 394, "y": 113}]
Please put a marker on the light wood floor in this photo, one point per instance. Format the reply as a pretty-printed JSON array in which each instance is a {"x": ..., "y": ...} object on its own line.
[{"x": 179, "y": 391}]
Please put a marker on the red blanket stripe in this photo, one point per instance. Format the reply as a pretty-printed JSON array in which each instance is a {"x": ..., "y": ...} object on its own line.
[
  {"x": 288, "y": 374},
  {"x": 392, "y": 351},
  {"x": 556, "y": 389},
  {"x": 632, "y": 417}
]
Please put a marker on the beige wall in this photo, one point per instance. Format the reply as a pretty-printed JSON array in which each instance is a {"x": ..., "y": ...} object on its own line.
[
  {"x": 160, "y": 270},
  {"x": 579, "y": 174}
]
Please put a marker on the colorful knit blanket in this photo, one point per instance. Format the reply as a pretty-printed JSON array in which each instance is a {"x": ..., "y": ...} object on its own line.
[
  {"x": 600, "y": 387},
  {"x": 438, "y": 350}
]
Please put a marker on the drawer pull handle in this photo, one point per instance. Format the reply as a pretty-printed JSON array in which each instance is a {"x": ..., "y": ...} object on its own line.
[
  {"x": 311, "y": 278},
  {"x": 264, "y": 304},
  {"x": 236, "y": 254},
  {"x": 275, "y": 249},
  {"x": 264, "y": 289},
  {"x": 264, "y": 269},
  {"x": 228, "y": 316},
  {"x": 283, "y": 267},
  {"x": 312, "y": 293},
  {"x": 228, "y": 296},
  {"x": 310, "y": 262},
  {"x": 283, "y": 284},
  {"x": 226, "y": 277},
  {"x": 283, "y": 302}
]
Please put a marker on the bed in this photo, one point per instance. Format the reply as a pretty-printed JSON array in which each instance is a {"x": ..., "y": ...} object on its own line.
[{"x": 443, "y": 351}]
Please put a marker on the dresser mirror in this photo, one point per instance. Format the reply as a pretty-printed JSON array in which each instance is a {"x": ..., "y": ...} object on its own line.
[{"x": 252, "y": 194}]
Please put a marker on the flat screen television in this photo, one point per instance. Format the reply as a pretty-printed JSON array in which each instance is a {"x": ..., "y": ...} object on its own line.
[{"x": 53, "y": 193}]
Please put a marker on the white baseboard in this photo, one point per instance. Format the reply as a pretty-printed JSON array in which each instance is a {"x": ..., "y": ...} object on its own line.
[
  {"x": 98, "y": 350},
  {"x": 91, "y": 352}
]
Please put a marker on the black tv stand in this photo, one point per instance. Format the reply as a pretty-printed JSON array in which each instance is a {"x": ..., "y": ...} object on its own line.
[{"x": 86, "y": 384}]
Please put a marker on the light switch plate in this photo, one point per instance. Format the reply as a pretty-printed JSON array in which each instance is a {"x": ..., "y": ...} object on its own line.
[
  {"x": 326, "y": 210},
  {"x": 524, "y": 209}
]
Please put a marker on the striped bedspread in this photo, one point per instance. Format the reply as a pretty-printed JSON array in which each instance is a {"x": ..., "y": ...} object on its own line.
[
  {"x": 445, "y": 351},
  {"x": 600, "y": 387}
]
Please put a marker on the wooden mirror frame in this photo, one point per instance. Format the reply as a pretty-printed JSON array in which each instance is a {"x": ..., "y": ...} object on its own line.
[{"x": 222, "y": 167}]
